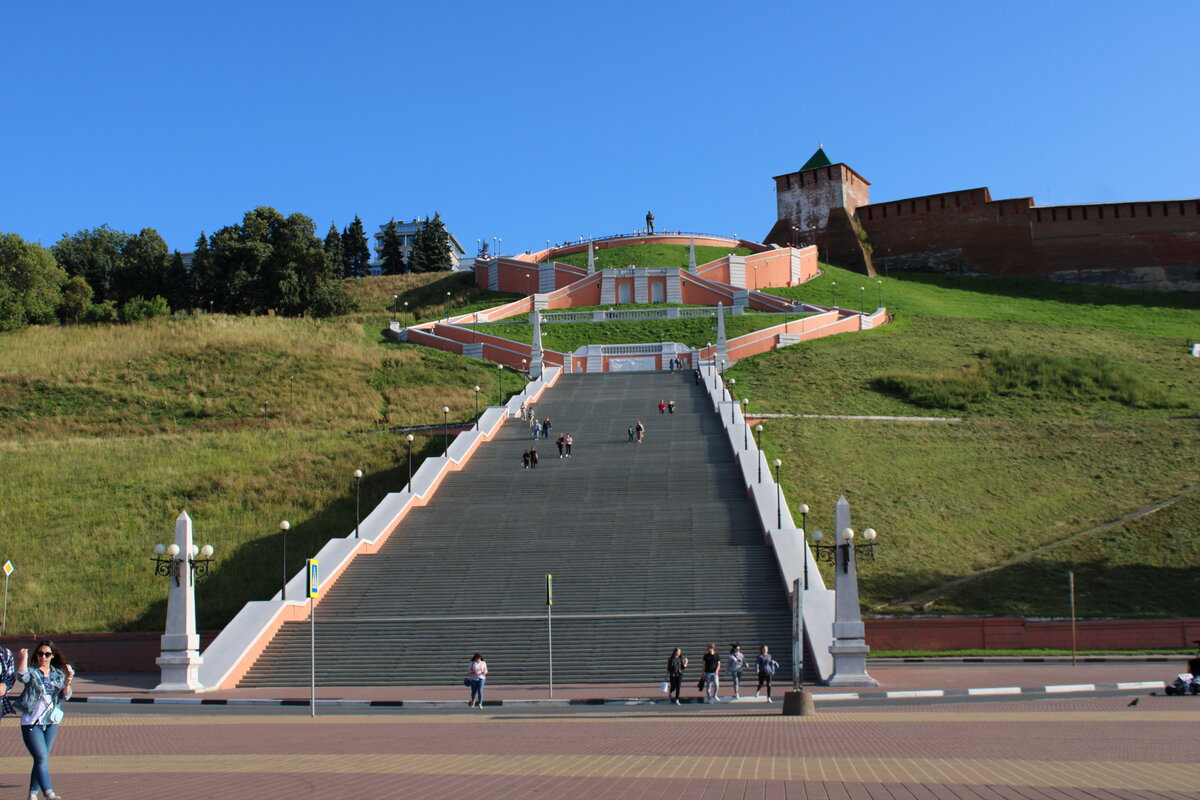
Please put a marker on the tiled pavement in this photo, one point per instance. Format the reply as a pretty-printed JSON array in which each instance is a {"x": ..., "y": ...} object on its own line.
[{"x": 1097, "y": 748}]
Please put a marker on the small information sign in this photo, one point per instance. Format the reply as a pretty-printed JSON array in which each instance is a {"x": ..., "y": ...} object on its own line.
[{"x": 314, "y": 576}]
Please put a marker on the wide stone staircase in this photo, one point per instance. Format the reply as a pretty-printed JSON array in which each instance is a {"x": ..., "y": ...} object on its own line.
[{"x": 652, "y": 546}]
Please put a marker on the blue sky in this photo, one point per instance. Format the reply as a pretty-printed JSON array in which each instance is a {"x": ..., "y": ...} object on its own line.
[{"x": 554, "y": 120}]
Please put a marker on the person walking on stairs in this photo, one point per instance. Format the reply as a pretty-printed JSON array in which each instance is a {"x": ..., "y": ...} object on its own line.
[
  {"x": 671, "y": 407},
  {"x": 476, "y": 675},
  {"x": 569, "y": 441},
  {"x": 533, "y": 457},
  {"x": 525, "y": 459},
  {"x": 535, "y": 428},
  {"x": 546, "y": 426},
  {"x": 766, "y": 667},
  {"x": 662, "y": 406},
  {"x": 676, "y": 664},
  {"x": 639, "y": 431},
  {"x": 562, "y": 444}
]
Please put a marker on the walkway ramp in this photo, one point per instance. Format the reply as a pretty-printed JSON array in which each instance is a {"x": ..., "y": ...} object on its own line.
[{"x": 651, "y": 546}]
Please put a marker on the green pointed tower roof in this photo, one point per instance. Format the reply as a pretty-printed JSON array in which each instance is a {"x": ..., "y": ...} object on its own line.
[{"x": 819, "y": 159}]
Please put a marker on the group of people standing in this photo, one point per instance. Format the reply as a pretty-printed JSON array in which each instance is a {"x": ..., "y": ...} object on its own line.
[
  {"x": 44, "y": 688},
  {"x": 710, "y": 680},
  {"x": 540, "y": 429}
]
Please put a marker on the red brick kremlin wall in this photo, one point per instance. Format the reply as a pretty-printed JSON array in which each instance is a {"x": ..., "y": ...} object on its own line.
[
  {"x": 967, "y": 231},
  {"x": 1144, "y": 244}
]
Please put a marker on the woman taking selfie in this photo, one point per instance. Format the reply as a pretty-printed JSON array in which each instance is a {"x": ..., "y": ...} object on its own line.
[{"x": 46, "y": 686}]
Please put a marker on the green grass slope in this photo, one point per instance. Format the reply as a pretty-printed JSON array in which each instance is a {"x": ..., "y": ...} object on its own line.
[
  {"x": 650, "y": 255},
  {"x": 1034, "y": 461},
  {"x": 107, "y": 432}
]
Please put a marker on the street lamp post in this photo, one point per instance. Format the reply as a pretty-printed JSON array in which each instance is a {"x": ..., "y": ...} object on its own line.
[
  {"x": 758, "y": 443},
  {"x": 283, "y": 529},
  {"x": 862, "y": 300},
  {"x": 395, "y": 308},
  {"x": 732, "y": 400},
  {"x": 476, "y": 408},
  {"x": 500, "y": 387},
  {"x": 803, "y": 509},
  {"x": 833, "y": 293},
  {"x": 409, "y": 440},
  {"x": 778, "y": 496},
  {"x": 880, "y": 285},
  {"x": 406, "y": 310},
  {"x": 446, "y": 430},
  {"x": 358, "y": 473},
  {"x": 745, "y": 426},
  {"x": 446, "y": 312},
  {"x": 840, "y": 553}
]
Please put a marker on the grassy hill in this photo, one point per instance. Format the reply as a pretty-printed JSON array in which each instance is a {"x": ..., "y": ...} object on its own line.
[
  {"x": 106, "y": 433},
  {"x": 1034, "y": 461},
  {"x": 650, "y": 255}
]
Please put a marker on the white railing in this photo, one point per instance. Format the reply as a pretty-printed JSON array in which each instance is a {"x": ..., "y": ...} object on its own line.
[
  {"x": 244, "y": 636},
  {"x": 787, "y": 541}
]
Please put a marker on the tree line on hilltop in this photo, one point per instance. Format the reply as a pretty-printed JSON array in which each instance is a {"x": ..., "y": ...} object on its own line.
[{"x": 268, "y": 262}]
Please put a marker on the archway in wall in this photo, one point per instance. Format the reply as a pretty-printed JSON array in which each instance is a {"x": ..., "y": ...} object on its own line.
[
  {"x": 624, "y": 292},
  {"x": 658, "y": 292}
]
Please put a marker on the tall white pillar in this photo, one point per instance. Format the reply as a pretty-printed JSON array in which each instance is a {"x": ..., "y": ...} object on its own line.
[
  {"x": 849, "y": 648},
  {"x": 179, "y": 657}
]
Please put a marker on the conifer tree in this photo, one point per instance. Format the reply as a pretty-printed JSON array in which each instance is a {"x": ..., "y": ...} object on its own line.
[
  {"x": 437, "y": 240},
  {"x": 393, "y": 254},
  {"x": 355, "y": 252}
]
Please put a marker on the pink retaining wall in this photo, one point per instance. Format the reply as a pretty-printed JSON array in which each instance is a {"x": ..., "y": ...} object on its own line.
[
  {"x": 1016, "y": 633},
  {"x": 135, "y": 652}
]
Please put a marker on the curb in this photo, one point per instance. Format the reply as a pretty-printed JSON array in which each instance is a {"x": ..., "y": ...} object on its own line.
[{"x": 1036, "y": 691}]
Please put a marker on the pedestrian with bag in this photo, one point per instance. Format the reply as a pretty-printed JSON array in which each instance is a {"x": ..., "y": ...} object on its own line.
[
  {"x": 676, "y": 664},
  {"x": 476, "y": 675},
  {"x": 46, "y": 686},
  {"x": 8, "y": 676},
  {"x": 734, "y": 665},
  {"x": 766, "y": 667},
  {"x": 568, "y": 442}
]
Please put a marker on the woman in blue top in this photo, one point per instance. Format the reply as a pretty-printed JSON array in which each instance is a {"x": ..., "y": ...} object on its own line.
[{"x": 46, "y": 686}]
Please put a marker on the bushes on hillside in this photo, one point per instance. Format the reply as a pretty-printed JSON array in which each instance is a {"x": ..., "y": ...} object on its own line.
[{"x": 139, "y": 308}]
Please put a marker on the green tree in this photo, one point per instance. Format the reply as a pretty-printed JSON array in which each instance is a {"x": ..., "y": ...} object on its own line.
[
  {"x": 93, "y": 254},
  {"x": 333, "y": 246},
  {"x": 177, "y": 284},
  {"x": 76, "y": 299},
  {"x": 393, "y": 253},
  {"x": 142, "y": 268},
  {"x": 203, "y": 278},
  {"x": 355, "y": 252},
  {"x": 431, "y": 247},
  {"x": 30, "y": 283},
  {"x": 274, "y": 262}
]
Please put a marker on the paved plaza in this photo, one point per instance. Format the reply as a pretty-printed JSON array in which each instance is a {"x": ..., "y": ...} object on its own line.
[{"x": 1081, "y": 748}]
